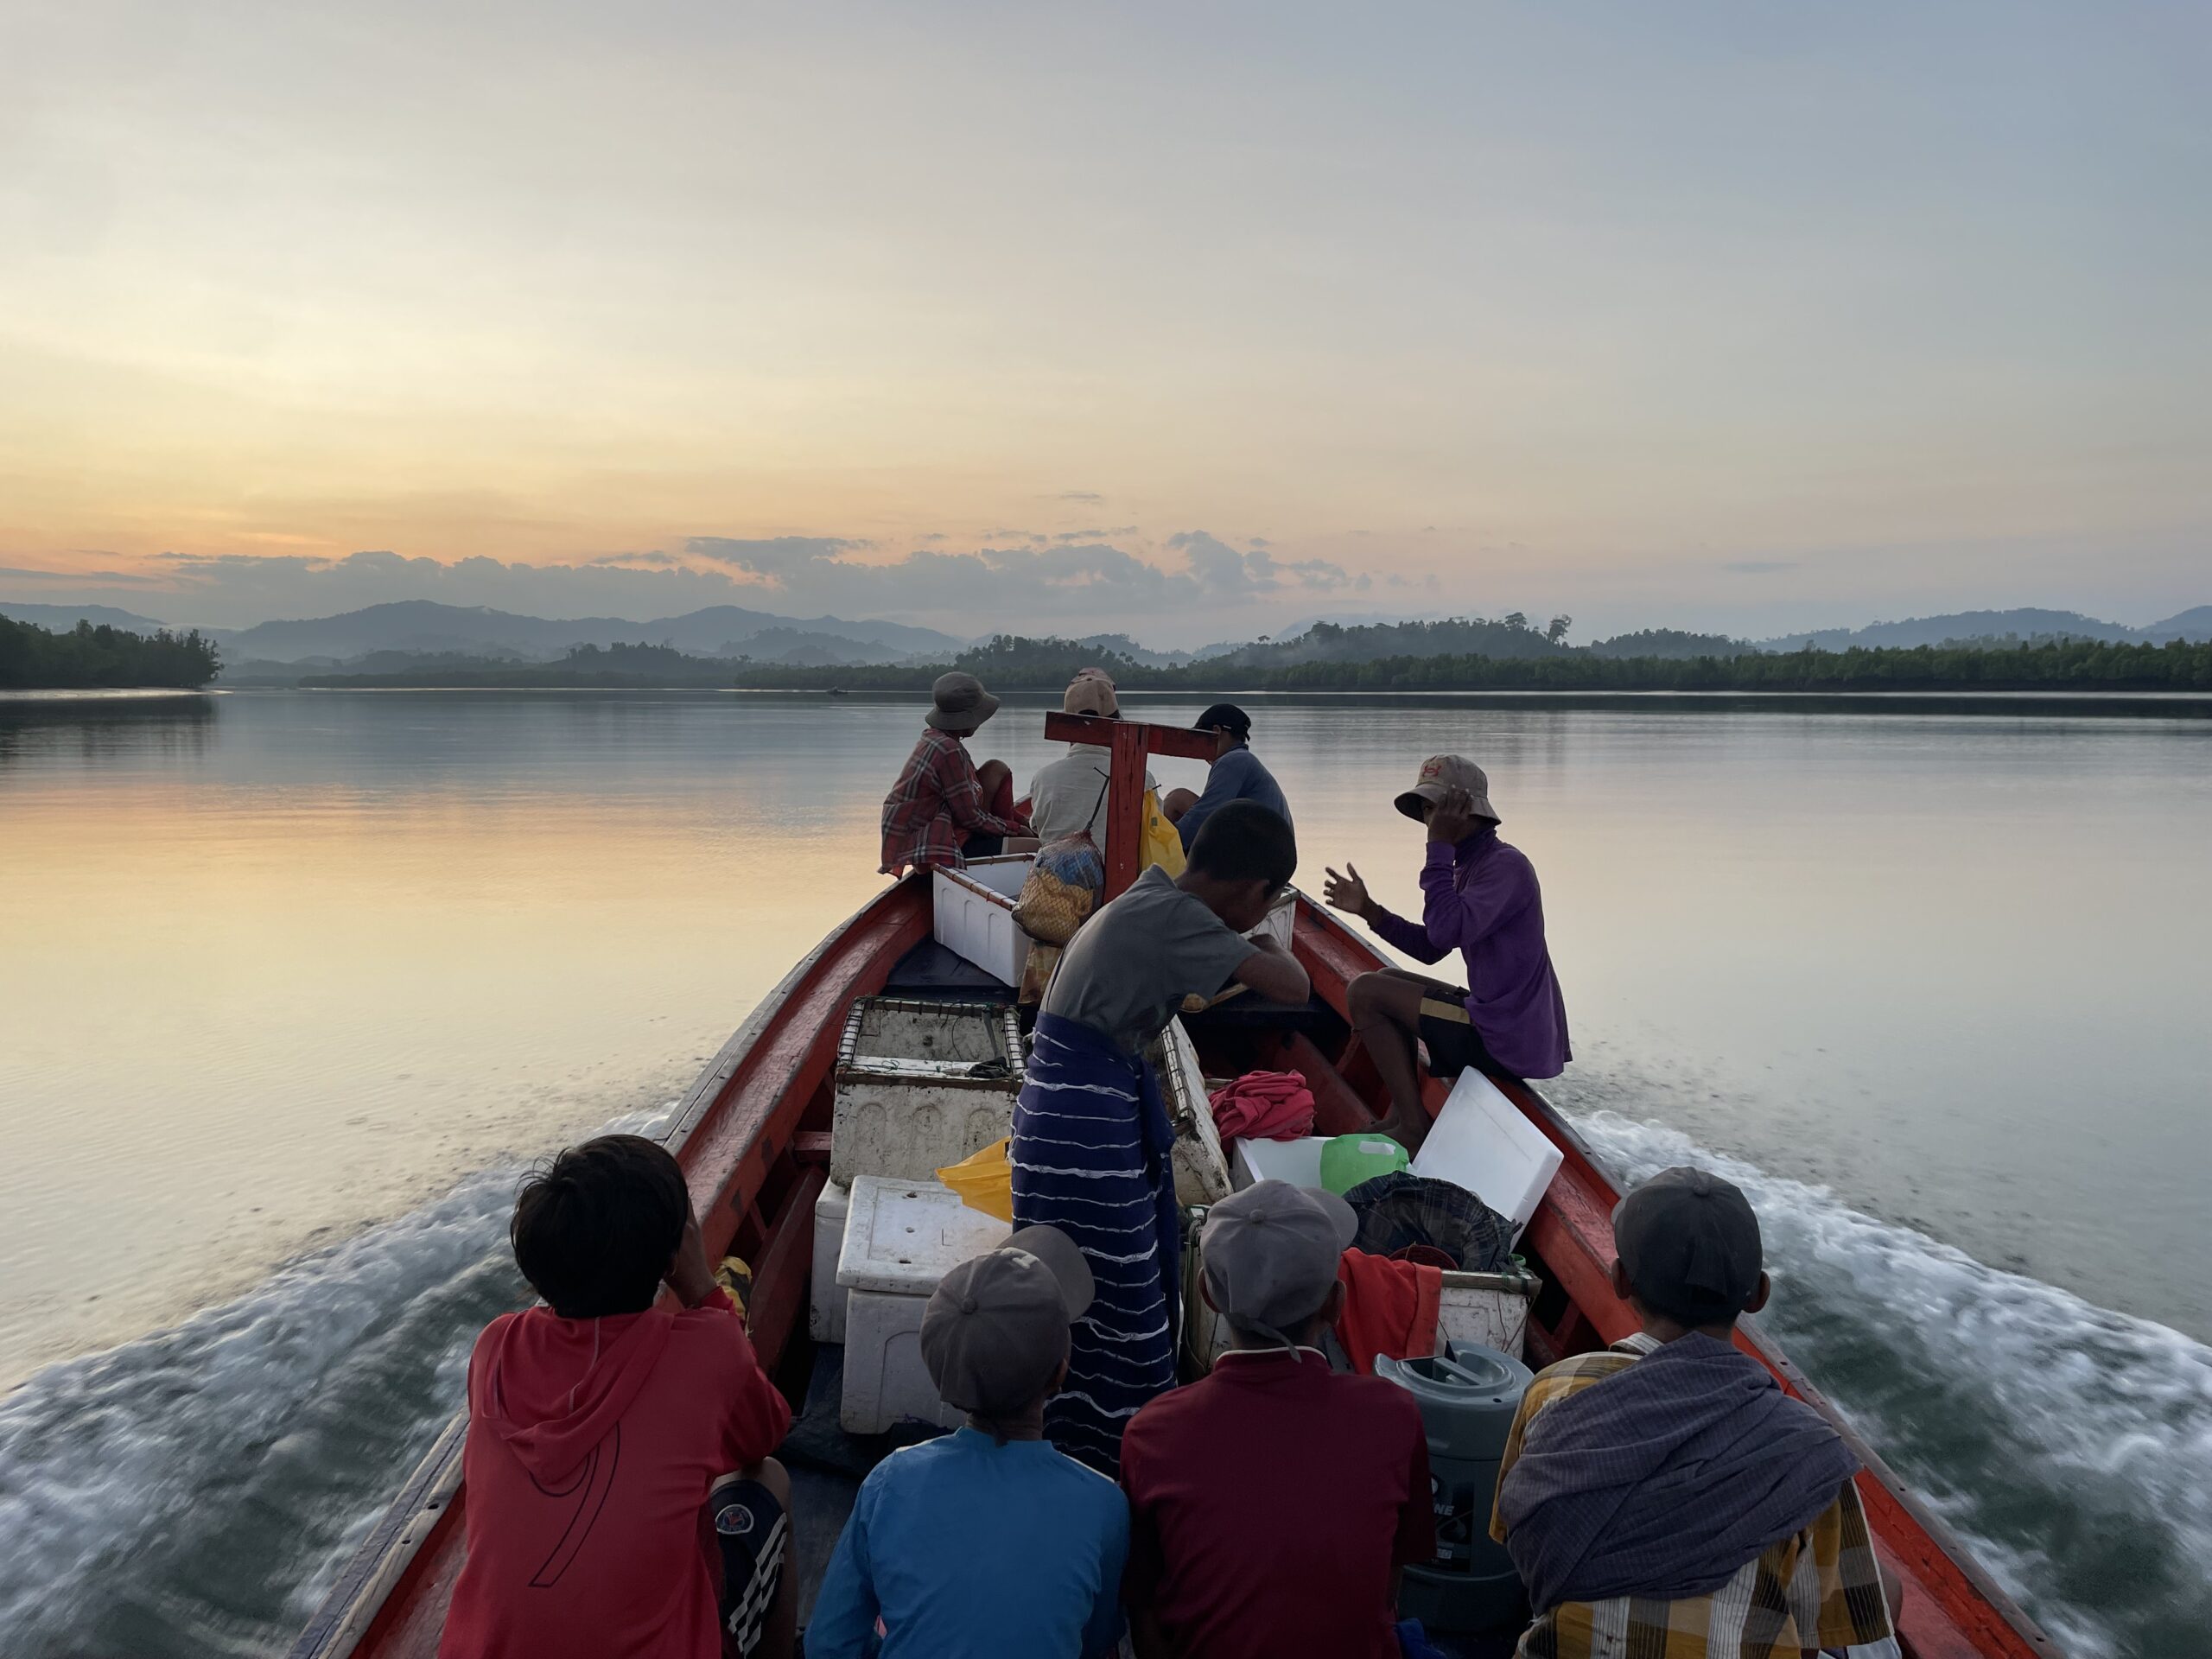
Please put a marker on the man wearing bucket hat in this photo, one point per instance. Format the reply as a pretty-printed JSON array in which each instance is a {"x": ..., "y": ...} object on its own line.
[
  {"x": 1069, "y": 795},
  {"x": 989, "y": 1540},
  {"x": 1272, "y": 1503},
  {"x": 1479, "y": 896},
  {"x": 943, "y": 811}
]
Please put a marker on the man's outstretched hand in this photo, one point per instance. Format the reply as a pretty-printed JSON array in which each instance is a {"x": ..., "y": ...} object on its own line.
[{"x": 1348, "y": 893}]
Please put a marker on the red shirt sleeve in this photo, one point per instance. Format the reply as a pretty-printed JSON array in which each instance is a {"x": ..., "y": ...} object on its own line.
[
  {"x": 756, "y": 1416},
  {"x": 1417, "y": 1516}
]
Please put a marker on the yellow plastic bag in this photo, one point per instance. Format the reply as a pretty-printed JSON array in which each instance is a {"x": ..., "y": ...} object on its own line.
[
  {"x": 1162, "y": 845},
  {"x": 984, "y": 1181}
]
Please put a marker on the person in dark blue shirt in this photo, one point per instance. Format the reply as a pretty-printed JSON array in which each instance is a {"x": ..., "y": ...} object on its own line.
[
  {"x": 1237, "y": 775},
  {"x": 990, "y": 1541}
]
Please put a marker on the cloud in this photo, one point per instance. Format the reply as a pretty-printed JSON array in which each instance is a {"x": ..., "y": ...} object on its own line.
[
  {"x": 1063, "y": 585},
  {"x": 1758, "y": 567}
]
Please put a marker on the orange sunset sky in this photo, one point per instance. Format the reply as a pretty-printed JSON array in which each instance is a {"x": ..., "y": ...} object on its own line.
[{"x": 1190, "y": 320}]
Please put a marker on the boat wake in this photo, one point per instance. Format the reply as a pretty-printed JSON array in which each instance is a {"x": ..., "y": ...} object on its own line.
[
  {"x": 195, "y": 1492},
  {"x": 2072, "y": 1446}
]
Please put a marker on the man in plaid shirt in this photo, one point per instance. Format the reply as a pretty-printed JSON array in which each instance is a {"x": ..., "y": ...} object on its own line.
[
  {"x": 1687, "y": 1508},
  {"x": 939, "y": 812}
]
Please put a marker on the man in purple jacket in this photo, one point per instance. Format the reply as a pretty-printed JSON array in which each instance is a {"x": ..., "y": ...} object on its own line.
[{"x": 1479, "y": 896}]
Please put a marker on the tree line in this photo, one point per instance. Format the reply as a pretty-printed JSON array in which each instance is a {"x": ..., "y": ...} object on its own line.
[
  {"x": 1012, "y": 663},
  {"x": 87, "y": 657}
]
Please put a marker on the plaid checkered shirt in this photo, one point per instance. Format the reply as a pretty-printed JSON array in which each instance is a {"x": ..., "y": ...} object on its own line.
[
  {"x": 1816, "y": 1589},
  {"x": 935, "y": 806}
]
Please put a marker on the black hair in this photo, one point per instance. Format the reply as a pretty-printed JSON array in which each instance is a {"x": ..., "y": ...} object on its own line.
[
  {"x": 593, "y": 1230},
  {"x": 1245, "y": 842}
]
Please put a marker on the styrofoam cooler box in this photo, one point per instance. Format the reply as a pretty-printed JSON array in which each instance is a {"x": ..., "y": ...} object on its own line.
[
  {"x": 1489, "y": 1308},
  {"x": 1280, "y": 921},
  {"x": 1296, "y": 1162},
  {"x": 920, "y": 1084},
  {"x": 826, "y": 1301},
  {"x": 974, "y": 910},
  {"x": 901, "y": 1237},
  {"x": 1483, "y": 1143}
]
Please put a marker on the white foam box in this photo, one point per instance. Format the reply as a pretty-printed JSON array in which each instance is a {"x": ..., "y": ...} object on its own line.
[
  {"x": 826, "y": 1301},
  {"x": 920, "y": 1084},
  {"x": 973, "y": 914},
  {"x": 901, "y": 1237},
  {"x": 1483, "y": 1143}
]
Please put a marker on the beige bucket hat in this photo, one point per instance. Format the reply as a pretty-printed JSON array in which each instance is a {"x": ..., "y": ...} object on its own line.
[
  {"x": 1442, "y": 773},
  {"x": 960, "y": 704}
]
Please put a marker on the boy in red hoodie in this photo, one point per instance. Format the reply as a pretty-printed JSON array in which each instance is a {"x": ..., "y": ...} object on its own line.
[{"x": 610, "y": 1436}]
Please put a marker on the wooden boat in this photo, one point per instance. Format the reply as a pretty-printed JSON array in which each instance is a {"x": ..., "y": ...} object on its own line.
[{"x": 753, "y": 1138}]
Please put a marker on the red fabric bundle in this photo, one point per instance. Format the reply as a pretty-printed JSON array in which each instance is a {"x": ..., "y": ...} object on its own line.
[
  {"x": 1265, "y": 1106},
  {"x": 1389, "y": 1308}
]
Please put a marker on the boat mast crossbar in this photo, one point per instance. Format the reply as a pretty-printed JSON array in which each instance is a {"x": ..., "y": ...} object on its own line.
[{"x": 1127, "y": 742}]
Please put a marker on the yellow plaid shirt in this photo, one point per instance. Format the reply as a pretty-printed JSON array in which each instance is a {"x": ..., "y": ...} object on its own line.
[{"x": 1817, "y": 1590}]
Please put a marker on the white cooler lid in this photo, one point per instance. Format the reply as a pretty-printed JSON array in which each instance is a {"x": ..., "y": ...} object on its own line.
[{"x": 903, "y": 1236}]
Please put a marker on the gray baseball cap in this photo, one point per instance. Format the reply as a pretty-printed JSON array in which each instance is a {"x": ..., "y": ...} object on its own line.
[
  {"x": 1690, "y": 1243},
  {"x": 1271, "y": 1254},
  {"x": 996, "y": 1328},
  {"x": 1443, "y": 773}
]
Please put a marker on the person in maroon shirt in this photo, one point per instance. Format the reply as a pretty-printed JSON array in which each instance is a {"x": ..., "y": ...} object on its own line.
[
  {"x": 1272, "y": 1503},
  {"x": 1479, "y": 896}
]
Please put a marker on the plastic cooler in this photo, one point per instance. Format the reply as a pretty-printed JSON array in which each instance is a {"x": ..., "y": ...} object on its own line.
[
  {"x": 901, "y": 1237},
  {"x": 973, "y": 914},
  {"x": 825, "y": 1302}
]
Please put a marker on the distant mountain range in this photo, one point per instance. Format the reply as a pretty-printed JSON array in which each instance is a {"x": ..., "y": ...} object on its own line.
[
  {"x": 422, "y": 635},
  {"x": 1963, "y": 626}
]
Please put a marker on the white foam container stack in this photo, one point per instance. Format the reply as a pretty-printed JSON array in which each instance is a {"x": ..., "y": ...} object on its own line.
[
  {"x": 826, "y": 1301},
  {"x": 1483, "y": 1143},
  {"x": 973, "y": 914},
  {"x": 908, "y": 1098},
  {"x": 901, "y": 1237}
]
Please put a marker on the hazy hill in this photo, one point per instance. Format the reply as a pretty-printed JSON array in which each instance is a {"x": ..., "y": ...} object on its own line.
[
  {"x": 425, "y": 627},
  {"x": 2025, "y": 624},
  {"x": 2194, "y": 625},
  {"x": 63, "y": 618}
]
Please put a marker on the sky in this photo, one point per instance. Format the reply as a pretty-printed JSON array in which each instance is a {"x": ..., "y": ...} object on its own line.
[{"x": 1186, "y": 321}]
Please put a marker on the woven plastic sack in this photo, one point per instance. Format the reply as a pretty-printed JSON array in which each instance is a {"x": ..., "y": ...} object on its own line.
[
  {"x": 985, "y": 1180},
  {"x": 1061, "y": 889}
]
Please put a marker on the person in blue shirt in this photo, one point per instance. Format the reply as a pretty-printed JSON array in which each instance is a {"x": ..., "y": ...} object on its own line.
[
  {"x": 989, "y": 1543},
  {"x": 1237, "y": 775}
]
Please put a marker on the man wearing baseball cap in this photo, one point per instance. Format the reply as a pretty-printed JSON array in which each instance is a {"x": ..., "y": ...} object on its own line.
[
  {"x": 988, "y": 1541},
  {"x": 1665, "y": 1489},
  {"x": 1272, "y": 1503},
  {"x": 1235, "y": 775},
  {"x": 1479, "y": 896}
]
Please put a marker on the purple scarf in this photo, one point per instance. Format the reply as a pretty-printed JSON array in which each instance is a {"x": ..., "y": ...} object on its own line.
[{"x": 1665, "y": 1478}]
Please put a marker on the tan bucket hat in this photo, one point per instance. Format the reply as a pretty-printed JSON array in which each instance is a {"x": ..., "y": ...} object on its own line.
[
  {"x": 960, "y": 702},
  {"x": 1440, "y": 773},
  {"x": 1091, "y": 693}
]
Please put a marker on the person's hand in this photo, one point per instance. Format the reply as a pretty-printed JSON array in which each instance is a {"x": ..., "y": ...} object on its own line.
[
  {"x": 689, "y": 1275},
  {"x": 1347, "y": 892},
  {"x": 1455, "y": 818}
]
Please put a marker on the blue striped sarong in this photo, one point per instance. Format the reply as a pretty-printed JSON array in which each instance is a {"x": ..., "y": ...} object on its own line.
[{"x": 1091, "y": 1157}]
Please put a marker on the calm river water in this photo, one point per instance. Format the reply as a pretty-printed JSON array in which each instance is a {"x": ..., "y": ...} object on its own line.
[{"x": 291, "y": 984}]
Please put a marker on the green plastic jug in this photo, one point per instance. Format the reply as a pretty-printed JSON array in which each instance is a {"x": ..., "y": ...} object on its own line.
[{"x": 1351, "y": 1159}]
